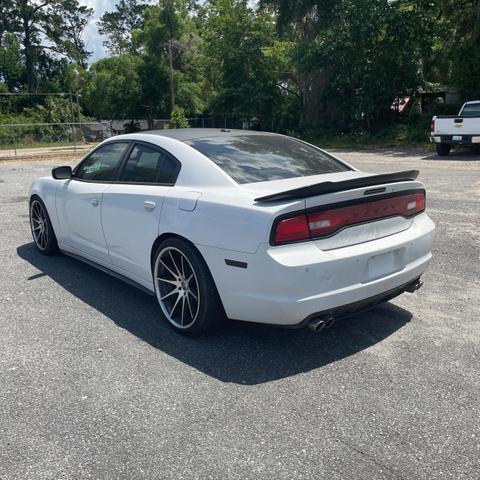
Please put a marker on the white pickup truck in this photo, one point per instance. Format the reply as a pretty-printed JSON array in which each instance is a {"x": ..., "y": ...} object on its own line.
[{"x": 463, "y": 129}]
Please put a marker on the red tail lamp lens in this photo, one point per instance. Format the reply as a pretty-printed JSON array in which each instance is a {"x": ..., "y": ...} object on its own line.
[
  {"x": 292, "y": 229},
  {"x": 328, "y": 222}
]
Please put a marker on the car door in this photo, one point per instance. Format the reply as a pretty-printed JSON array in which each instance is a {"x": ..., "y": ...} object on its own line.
[
  {"x": 79, "y": 200},
  {"x": 131, "y": 208}
]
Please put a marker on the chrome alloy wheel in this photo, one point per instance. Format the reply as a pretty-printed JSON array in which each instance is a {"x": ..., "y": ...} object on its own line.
[
  {"x": 176, "y": 286},
  {"x": 39, "y": 224}
]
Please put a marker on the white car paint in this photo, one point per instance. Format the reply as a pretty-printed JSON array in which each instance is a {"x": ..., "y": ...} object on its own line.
[{"x": 115, "y": 225}]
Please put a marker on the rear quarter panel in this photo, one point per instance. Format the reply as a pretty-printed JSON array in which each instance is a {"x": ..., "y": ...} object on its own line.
[{"x": 230, "y": 222}]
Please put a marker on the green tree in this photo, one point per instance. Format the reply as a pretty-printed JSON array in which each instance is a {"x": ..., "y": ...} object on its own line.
[
  {"x": 462, "y": 44},
  {"x": 162, "y": 36},
  {"x": 239, "y": 61},
  {"x": 45, "y": 29},
  {"x": 11, "y": 68},
  {"x": 169, "y": 44},
  {"x": 113, "y": 89},
  {"x": 353, "y": 57},
  {"x": 119, "y": 25},
  {"x": 163, "y": 71}
]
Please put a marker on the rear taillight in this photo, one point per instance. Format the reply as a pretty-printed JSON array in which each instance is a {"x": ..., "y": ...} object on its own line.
[
  {"x": 292, "y": 229},
  {"x": 432, "y": 125},
  {"x": 323, "y": 223}
]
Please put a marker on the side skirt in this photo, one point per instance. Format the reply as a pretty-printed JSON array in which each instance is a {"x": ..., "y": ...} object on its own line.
[{"x": 119, "y": 276}]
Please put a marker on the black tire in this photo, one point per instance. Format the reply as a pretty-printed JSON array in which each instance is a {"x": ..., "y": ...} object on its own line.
[
  {"x": 47, "y": 242},
  {"x": 178, "y": 306},
  {"x": 443, "y": 149}
]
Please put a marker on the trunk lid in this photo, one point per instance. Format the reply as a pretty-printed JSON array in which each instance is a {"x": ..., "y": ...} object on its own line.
[{"x": 339, "y": 190}]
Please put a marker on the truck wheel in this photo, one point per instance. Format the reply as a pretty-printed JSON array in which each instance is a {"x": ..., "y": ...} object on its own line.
[{"x": 443, "y": 149}]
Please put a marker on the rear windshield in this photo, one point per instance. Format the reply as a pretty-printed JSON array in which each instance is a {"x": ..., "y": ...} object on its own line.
[
  {"x": 472, "y": 110},
  {"x": 260, "y": 158}
]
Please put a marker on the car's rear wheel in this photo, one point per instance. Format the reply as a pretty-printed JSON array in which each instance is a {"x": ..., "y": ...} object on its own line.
[
  {"x": 443, "y": 149},
  {"x": 185, "y": 290},
  {"x": 41, "y": 226}
]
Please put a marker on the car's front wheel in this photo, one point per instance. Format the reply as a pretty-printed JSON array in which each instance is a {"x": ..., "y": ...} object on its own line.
[
  {"x": 42, "y": 230},
  {"x": 185, "y": 290}
]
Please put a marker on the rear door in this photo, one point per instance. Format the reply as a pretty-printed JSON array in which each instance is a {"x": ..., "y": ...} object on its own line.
[
  {"x": 132, "y": 205},
  {"x": 79, "y": 200}
]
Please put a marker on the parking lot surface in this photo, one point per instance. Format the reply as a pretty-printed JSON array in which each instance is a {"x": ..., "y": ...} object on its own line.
[{"x": 92, "y": 385}]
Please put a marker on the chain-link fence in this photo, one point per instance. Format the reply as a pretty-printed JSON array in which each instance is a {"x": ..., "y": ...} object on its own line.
[
  {"x": 25, "y": 141},
  {"x": 22, "y": 138}
]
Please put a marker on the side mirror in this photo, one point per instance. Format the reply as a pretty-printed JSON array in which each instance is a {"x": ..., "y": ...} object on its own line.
[{"x": 62, "y": 173}]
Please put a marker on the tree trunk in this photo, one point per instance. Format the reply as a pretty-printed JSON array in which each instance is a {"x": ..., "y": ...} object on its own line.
[{"x": 311, "y": 86}]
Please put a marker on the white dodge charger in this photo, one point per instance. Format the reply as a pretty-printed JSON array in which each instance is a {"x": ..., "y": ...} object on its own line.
[{"x": 237, "y": 224}]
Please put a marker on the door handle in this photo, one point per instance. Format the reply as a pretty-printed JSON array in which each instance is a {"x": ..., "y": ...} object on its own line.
[
  {"x": 149, "y": 205},
  {"x": 95, "y": 202}
]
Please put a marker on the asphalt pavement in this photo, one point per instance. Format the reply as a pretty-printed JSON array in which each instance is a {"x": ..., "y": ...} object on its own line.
[{"x": 94, "y": 386}]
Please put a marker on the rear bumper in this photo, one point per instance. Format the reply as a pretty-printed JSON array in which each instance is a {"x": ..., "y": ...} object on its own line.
[
  {"x": 448, "y": 139},
  {"x": 362, "y": 305},
  {"x": 285, "y": 285}
]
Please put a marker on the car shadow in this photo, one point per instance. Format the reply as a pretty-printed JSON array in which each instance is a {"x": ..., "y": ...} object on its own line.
[{"x": 240, "y": 353}]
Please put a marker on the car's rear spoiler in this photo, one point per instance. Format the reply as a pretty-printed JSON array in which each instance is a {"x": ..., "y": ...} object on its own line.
[{"x": 331, "y": 187}]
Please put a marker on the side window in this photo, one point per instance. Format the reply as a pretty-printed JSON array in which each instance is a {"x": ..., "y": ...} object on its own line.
[
  {"x": 169, "y": 170},
  {"x": 100, "y": 166},
  {"x": 149, "y": 165}
]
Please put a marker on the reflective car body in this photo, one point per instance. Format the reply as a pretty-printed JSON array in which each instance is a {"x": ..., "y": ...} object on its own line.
[{"x": 214, "y": 193}]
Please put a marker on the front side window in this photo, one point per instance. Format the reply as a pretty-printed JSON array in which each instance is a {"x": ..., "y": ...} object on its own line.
[
  {"x": 150, "y": 165},
  {"x": 259, "y": 158},
  {"x": 102, "y": 164}
]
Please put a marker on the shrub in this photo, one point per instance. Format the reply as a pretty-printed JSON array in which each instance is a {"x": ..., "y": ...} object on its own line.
[{"x": 178, "y": 118}]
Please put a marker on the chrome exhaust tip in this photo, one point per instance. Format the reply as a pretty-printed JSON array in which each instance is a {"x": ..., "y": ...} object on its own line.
[
  {"x": 330, "y": 322},
  {"x": 414, "y": 286},
  {"x": 317, "y": 324}
]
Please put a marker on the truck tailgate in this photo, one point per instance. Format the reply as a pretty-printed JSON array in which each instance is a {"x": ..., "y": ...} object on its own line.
[{"x": 457, "y": 126}]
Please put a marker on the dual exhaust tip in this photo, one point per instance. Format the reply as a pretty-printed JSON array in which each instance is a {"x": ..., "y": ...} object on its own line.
[{"x": 317, "y": 324}]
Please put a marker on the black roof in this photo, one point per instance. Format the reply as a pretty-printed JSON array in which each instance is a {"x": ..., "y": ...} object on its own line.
[{"x": 186, "y": 134}]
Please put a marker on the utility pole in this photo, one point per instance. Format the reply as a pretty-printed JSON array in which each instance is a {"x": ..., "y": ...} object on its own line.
[
  {"x": 78, "y": 109},
  {"x": 172, "y": 86},
  {"x": 74, "y": 130}
]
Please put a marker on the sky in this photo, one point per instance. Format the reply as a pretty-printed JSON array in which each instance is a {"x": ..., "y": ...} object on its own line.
[{"x": 93, "y": 40}]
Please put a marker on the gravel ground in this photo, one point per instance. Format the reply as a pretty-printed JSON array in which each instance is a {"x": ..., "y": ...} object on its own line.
[{"x": 92, "y": 386}]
